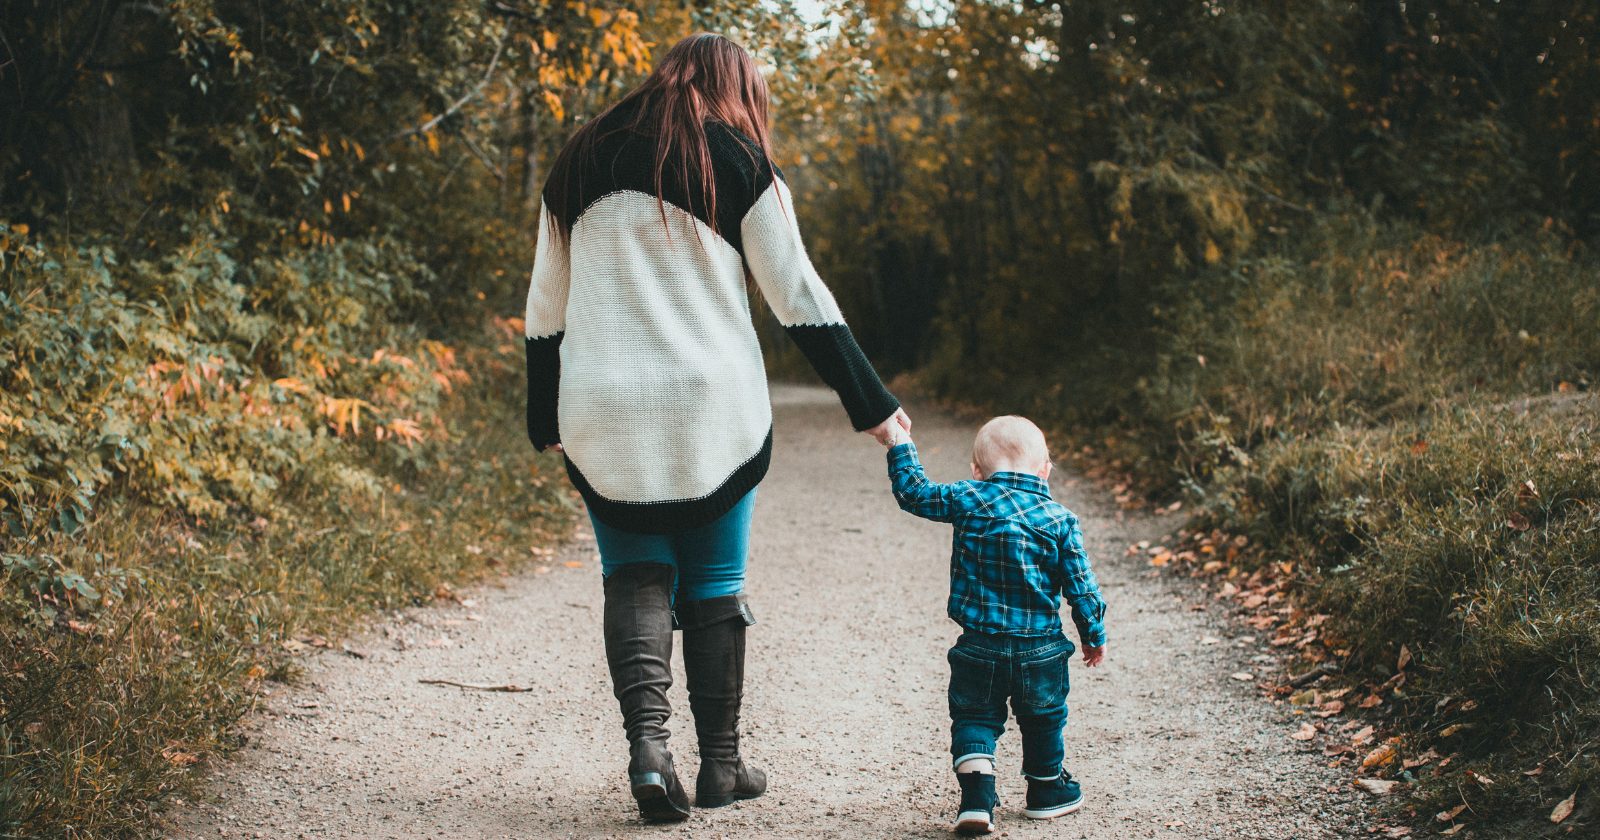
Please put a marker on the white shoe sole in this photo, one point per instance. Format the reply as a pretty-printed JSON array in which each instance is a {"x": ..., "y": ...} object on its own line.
[
  {"x": 974, "y": 822},
  {"x": 1052, "y": 813}
]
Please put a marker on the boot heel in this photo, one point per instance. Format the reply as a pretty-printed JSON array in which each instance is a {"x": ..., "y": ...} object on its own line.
[{"x": 655, "y": 805}]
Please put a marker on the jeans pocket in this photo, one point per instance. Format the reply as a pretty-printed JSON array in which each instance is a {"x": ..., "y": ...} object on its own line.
[
  {"x": 971, "y": 681},
  {"x": 1044, "y": 681}
]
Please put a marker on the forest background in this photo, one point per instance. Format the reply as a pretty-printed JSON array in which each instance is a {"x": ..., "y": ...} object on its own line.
[{"x": 1321, "y": 272}]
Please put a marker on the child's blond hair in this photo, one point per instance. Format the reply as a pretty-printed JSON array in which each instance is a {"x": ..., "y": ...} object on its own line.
[{"x": 1009, "y": 444}]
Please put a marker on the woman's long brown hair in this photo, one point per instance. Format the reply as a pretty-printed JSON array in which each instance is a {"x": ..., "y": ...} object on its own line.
[{"x": 703, "y": 77}]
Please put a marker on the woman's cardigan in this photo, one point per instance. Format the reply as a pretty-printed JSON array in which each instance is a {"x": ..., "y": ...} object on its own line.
[{"x": 642, "y": 358}]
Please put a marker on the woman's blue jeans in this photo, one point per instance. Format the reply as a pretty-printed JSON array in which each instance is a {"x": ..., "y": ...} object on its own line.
[{"x": 709, "y": 561}]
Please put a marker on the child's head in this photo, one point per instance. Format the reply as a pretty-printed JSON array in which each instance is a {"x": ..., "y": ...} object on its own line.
[{"x": 1010, "y": 444}]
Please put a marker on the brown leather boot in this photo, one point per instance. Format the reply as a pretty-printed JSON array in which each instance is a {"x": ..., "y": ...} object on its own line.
[
  {"x": 713, "y": 659},
  {"x": 638, "y": 631}
]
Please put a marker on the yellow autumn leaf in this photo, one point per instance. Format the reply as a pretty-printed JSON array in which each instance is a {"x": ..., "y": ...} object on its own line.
[{"x": 1384, "y": 754}]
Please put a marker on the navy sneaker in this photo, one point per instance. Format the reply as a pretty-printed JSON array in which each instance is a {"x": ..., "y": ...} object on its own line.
[
  {"x": 978, "y": 801},
  {"x": 1052, "y": 798}
]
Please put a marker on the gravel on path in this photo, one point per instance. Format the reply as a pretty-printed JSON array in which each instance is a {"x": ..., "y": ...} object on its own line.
[{"x": 845, "y": 702}]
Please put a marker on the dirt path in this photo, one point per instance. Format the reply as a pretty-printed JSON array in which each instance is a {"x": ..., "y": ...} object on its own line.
[{"x": 846, "y": 704}]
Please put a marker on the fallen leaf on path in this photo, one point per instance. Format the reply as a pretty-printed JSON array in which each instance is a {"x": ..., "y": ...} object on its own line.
[
  {"x": 295, "y": 646},
  {"x": 573, "y": 564},
  {"x": 1377, "y": 787},
  {"x": 1450, "y": 815},
  {"x": 507, "y": 687},
  {"x": 1330, "y": 708},
  {"x": 1363, "y": 735},
  {"x": 1382, "y": 755},
  {"x": 1242, "y": 676},
  {"x": 1518, "y": 522},
  {"x": 1479, "y": 778},
  {"x": 1398, "y": 831},
  {"x": 1305, "y": 733},
  {"x": 1161, "y": 559},
  {"x": 1453, "y": 830},
  {"x": 1450, "y": 730},
  {"x": 1405, "y": 658},
  {"x": 1565, "y": 806}
]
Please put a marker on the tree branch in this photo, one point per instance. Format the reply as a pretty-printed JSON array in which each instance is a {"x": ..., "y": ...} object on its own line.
[{"x": 499, "y": 48}]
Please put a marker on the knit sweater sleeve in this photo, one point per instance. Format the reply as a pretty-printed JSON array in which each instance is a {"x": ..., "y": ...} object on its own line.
[
  {"x": 776, "y": 257},
  {"x": 545, "y": 322}
]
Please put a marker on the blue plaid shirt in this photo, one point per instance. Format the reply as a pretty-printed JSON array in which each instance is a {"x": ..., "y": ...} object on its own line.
[{"x": 1016, "y": 554}]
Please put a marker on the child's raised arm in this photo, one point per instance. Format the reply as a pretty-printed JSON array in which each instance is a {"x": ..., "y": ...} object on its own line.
[
  {"x": 917, "y": 495},
  {"x": 1081, "y": 590}
]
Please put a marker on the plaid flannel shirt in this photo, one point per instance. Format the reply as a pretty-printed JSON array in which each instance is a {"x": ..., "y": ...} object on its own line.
[{"x": 1016, "y": 551}]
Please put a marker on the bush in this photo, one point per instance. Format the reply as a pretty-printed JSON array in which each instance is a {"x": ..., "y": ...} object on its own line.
[{"x": 131, "y": 647}]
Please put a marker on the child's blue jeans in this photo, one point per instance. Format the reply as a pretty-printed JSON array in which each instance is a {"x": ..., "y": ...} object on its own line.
[
  {"x": 709, "y": 560},
  {"x": 985, "y": 672}
]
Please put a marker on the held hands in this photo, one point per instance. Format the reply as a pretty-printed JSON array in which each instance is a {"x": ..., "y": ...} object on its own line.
[
  {"x": 895, "y": 429},
  {"x": 1093, "y": 656}
]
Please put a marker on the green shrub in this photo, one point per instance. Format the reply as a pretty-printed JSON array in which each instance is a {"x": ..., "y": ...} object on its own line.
[
  {"x": 116, "y": 684},
  {"x": 202, "y": 383}
]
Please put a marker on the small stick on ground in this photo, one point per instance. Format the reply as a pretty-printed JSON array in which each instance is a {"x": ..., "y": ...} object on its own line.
[{"x": 508, "y": 687}]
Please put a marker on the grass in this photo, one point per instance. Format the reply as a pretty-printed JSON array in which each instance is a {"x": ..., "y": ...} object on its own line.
[
  {"x": 116, "y": 701},
  {"x": 1406, "y": 421}
]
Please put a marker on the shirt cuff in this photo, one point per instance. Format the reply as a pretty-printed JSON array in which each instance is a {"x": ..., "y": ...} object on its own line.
[{"x": 903, "y": 455}]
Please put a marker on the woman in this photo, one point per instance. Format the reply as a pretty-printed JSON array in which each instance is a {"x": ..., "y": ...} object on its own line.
[{"x": 643, "y": 367}]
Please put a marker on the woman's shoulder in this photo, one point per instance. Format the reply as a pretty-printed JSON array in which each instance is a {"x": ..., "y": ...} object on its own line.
[{"x": 735, "y": 150}]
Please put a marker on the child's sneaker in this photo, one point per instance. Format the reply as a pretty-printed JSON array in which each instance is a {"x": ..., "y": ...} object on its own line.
[
  {"x": 978, "y": 801},
  {"x": 1052, "y": 798}
]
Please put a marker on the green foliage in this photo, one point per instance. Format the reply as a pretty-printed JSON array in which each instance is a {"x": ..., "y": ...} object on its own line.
[
  {"x": 108, "y": 700},
  {"x": 204, "y": 384}
]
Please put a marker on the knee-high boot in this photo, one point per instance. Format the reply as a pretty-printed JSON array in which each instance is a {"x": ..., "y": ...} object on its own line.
[
  {"x": 638, "y": 631},
  {"x": 713, "y": 659}
]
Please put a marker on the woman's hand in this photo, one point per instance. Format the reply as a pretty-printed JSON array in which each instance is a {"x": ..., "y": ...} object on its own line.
[{"x": 894, "y": 426}]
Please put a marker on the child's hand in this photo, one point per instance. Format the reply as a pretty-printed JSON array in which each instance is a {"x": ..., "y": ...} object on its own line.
[
  {"x": 1093, "y": 655},
  {"x": 896, "y": 423}
]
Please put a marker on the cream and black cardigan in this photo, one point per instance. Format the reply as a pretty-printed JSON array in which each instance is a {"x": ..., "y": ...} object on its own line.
[{"x": 642, "y": 358}]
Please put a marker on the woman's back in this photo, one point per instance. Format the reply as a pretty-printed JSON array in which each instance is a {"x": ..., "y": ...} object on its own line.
[{"x": 642, "y": 359}]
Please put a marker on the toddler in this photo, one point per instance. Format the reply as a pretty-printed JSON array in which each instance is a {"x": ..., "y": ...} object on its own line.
[{"x": 1016, "y": 554}]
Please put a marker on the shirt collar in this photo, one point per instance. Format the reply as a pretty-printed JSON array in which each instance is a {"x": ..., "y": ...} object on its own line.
[{"x": 1021, "y": 481}]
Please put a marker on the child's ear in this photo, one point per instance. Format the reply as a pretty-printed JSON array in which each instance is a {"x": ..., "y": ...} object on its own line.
[
  {"x": 1044, "y": 470},
  {"x": 977, "y": 472}
]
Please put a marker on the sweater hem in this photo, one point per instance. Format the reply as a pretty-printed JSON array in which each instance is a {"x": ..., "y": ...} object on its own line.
[{"x": 672, "y": 517}]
